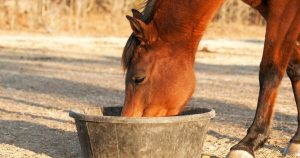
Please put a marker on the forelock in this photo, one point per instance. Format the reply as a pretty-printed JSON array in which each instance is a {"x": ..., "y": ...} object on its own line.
[{"x": 128, "y": 51}]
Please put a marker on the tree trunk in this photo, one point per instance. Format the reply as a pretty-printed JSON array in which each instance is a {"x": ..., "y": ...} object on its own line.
[
  {"x": 14, "y": 15},
  {"x": 71, "y": 13},
  {"x": 38, "y": 14},
  {"x": 78, "y": 9}
]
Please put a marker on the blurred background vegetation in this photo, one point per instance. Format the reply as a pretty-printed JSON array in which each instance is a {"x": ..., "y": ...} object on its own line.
[{"x": 104, "y": 17}]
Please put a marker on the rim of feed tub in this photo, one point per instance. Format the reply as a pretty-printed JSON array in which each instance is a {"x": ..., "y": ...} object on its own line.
[{"x": 190, "y": 114}]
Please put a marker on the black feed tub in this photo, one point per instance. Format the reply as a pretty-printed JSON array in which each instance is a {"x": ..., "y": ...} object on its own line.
[{"x": 112, "y": 136}]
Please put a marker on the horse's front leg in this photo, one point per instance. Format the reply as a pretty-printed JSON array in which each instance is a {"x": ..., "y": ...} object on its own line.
[
  {"x": 279, "y": 44},
  {"x": 293, "y": 72},
  {"x": 270, "y": 77}
]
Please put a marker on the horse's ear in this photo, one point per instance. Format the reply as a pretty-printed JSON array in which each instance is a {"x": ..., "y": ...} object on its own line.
[
  {"x": 138, "y": 27},
  {"x": 145, "y": 33},
  {"x": 136, "y": 14}
]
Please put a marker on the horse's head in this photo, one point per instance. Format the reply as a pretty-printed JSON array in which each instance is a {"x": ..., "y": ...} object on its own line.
[{"x": 160, "y": 77}]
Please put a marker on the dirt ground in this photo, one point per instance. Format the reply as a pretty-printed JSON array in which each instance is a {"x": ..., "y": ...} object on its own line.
[{"x": 41, "y": 78}]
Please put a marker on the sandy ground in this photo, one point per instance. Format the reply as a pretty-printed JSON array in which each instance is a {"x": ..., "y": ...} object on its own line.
[{"x": 41, "y": 78}]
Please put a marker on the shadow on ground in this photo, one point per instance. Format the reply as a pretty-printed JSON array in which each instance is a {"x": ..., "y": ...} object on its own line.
[
  {"x": 37, "y": 55},
  {"x": 60, "y": 87},
  {"x": 30, "y": 103},
  {"x": 40, "y": 139},
  {"x": 233, "y": 114},
  {"x": 227, "y": 69}
]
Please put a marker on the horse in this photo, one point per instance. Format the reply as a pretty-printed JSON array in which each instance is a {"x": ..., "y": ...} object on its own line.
[{"x": 159, "y": 59}]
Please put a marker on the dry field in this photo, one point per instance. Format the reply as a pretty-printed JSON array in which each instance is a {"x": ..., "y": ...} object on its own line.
[{"x": 41, "y": 78}]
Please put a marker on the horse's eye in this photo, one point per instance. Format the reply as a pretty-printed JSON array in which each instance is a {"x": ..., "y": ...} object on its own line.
[{"x": 138, "y": 79}]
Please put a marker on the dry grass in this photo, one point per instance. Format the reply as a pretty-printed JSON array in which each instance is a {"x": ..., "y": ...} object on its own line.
[
  {"x": 239, "y": 13},
  {"x": 105, "y": 17}
]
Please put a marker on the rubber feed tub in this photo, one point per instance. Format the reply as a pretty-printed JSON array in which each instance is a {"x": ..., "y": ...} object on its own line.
[{"x": 112, "y": 136}]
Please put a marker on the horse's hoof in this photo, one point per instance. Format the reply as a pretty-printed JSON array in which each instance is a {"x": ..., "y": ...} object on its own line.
[
  {"x": 292, "y": 150},
  {"x": 239, "y": 154}
]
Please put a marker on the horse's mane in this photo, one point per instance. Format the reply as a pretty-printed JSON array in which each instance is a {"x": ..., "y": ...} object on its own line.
[{"x": 132, "y": 42}]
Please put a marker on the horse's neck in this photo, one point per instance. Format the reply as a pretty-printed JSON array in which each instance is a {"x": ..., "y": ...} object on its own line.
[{"x": 183, "y": 20}]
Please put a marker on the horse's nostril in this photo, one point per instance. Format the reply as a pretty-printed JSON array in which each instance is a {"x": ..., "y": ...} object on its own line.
[{"x": 138, "y": 79}]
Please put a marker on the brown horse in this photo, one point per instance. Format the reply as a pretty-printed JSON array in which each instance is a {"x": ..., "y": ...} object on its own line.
[{"x": 160, "y": 54}]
